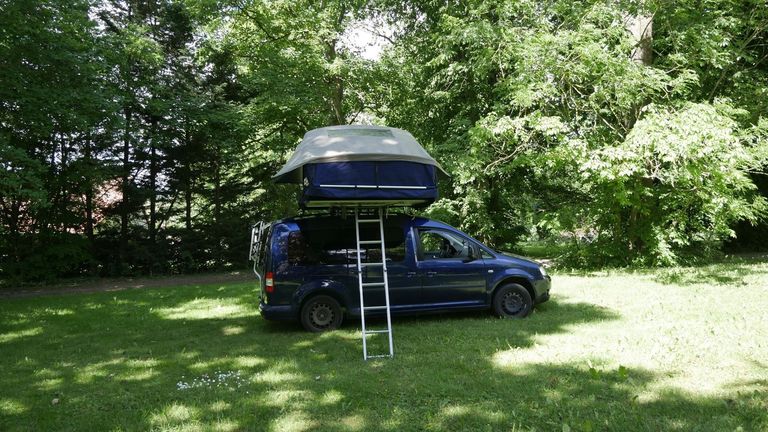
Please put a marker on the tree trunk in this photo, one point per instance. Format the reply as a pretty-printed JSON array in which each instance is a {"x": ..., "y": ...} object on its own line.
[
  {"x": 15, "y": 230},
  {"x": 187, "y": 181},
  {"x": 125, "y": 189},
  {"x": 338, "y": 117},
  {"x": 153, "y": 185},
  {"x": 640, "y": 28},
  {"x": 63, "y": 187},
  {"x": 188, "y": 206},
  {"x": 46, "y": 219},
  {"x": 88, "y": 190},
  {"x": 495, "y": 211},
  {"x": 216, "y": 190}
]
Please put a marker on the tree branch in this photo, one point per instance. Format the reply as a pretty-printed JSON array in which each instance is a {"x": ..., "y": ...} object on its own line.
[
  {"x": 109, "y": 23},
  {"x": 257, "y": 22}
]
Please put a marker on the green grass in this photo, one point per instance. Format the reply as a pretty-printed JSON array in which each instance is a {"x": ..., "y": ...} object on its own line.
[{"x": 679, "y": 349}]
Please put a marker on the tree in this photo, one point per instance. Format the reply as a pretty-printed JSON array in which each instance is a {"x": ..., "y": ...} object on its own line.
[{"x": 51, "y": 101}]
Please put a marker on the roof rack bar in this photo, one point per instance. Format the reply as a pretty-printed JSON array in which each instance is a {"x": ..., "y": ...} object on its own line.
[{"x": 372, "y": 186}]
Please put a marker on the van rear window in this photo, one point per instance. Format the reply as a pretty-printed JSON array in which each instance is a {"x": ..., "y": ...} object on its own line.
[{"x": 336, "y": 245}]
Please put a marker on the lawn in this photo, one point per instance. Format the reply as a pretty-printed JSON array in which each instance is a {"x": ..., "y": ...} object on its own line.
[{"x": 677, "y": 349}]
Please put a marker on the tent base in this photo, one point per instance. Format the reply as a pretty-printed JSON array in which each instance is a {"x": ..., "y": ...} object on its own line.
[{"x": 315, "y": 204}]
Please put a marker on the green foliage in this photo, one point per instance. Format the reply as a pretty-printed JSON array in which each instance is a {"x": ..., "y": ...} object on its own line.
[
  {"x": 679, "y": 178},
  {"x": 20, "y": 176}
]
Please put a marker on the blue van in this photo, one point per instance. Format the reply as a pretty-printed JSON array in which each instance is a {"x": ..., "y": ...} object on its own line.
[{"x": 310, "y": 271}]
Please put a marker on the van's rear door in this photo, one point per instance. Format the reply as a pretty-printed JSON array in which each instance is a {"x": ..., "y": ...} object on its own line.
[{"x": 261, "y": 234}]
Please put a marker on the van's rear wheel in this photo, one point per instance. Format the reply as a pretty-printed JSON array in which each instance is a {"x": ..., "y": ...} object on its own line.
[
  {"x": 512, "y": 301},
  {"x": 321, "y": 313}
]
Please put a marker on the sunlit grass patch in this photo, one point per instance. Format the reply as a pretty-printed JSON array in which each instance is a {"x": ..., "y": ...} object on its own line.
[
  {"x": 12, "y": 407},
  {"x": 232, "y": 330},
  {"x": 176, "y": 417},
  {"x": 11, "y": 336},
  {"x": 206, "y": 309},
  {"x": 277, "y": 377},
  {"x": 293, "y": 421},
  {"x": 353, "y": 423}
]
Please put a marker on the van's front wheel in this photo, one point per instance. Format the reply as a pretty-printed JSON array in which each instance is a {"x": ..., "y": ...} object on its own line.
[
  {"x": 321, "y": 313},
  {"x": 512, "y": 301}
]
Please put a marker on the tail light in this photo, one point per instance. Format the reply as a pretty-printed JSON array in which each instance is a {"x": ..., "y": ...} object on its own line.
[{"x": 269, "y": 283}]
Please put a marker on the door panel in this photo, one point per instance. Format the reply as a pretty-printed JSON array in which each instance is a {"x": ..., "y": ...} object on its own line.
[
  {"x": 448, "y": 275},
  {"x": 404, "y": 285},
  {"x": 451, "y": 280}
]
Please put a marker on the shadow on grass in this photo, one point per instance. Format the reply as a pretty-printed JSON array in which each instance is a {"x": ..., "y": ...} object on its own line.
[{"x": 201, "y": 359}]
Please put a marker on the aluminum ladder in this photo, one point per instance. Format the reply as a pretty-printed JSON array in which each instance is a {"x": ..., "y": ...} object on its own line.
[{"x": 362, "y": 284}]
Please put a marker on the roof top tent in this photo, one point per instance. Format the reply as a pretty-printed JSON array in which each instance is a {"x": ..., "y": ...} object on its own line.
[{"x": 362, "y": 166}]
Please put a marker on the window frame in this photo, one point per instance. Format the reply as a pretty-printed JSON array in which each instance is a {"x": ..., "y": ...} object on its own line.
[{"x": 419, "y": 250}]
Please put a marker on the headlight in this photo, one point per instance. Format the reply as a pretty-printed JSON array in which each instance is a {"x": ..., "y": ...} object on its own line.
[{"x": 543, "y": 271}]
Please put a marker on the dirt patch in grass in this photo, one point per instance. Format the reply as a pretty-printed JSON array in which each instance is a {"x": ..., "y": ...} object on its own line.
[{"x": 120, "y": 284}]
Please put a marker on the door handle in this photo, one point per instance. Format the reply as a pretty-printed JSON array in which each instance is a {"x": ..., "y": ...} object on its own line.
[
  {"x": 410, "y": 274},
  {"x": 431, "y": 273}
]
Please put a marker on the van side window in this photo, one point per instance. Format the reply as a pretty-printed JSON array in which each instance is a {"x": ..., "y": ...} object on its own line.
[
  {"x": 395, "y": 252},
  {"x": 335, "y": 244},
  {"x": 299, "y": 251},
  {"x": 314, "y": 249},
  {"x": 394, "y": 247},
  {"x": 438, "y": 244}
]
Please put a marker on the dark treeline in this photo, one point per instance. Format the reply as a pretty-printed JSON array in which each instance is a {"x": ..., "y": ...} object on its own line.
[
  {"x": 139, "y": 137},
  {"x": 122, "y": 152}
]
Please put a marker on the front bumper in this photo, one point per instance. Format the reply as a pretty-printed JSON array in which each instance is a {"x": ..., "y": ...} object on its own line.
[{"x": 542, "y": 287}]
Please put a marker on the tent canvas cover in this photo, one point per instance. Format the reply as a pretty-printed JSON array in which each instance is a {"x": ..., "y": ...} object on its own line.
[{"x": 361, "y": 165}]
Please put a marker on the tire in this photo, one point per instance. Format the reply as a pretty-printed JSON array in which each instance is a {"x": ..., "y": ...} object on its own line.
[
  {"x": 512, "y": 301},
  {"x": 321, "y": 313}
]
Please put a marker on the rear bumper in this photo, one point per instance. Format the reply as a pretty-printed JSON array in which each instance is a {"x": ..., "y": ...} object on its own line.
[
  {"x": 277, "y": 313},
  {"x": 542, "y": 287}
]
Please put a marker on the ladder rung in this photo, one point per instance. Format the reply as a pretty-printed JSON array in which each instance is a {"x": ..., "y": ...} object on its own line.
[
  {"x": 376, "y": 331},
  {"x": 374, "y": 308},
  {"x": 379, "y": 356},
  {"x": 366, "y": 284},
  {"x": 367, "y": 220},
  {"x": 371, "y": 264},
  {"x": 370, "y": 241}
]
